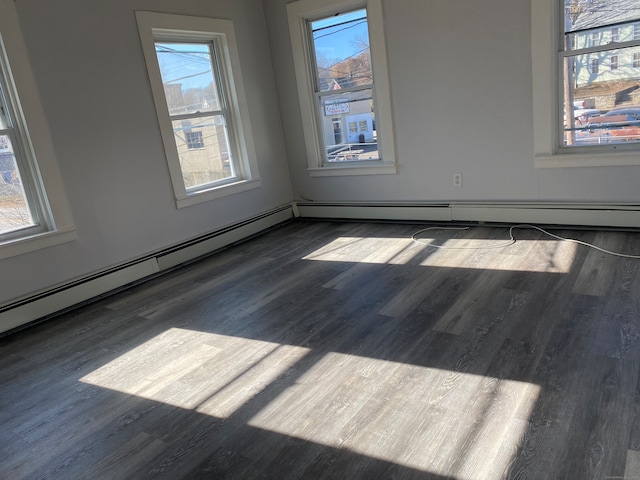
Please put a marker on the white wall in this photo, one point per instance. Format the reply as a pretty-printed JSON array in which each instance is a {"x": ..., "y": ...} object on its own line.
[
  {"x": 460, "y": 75},
  {"x": 90, "y": 73}
]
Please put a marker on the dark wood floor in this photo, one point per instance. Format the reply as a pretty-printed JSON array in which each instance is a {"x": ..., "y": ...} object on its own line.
[{"x": 344, "y": 351}]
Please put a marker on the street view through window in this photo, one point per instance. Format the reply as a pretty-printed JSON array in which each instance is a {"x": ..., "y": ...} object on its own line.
[
  {"x": 344, "y": 87},
  {"x": 601, "y": 72},
  {"x": 198, "y": 112},
  {"x": 15, "y": 212}
]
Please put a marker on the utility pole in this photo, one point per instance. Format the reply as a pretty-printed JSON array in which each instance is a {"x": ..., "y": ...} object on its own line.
[{"x": 569, "y": 118}]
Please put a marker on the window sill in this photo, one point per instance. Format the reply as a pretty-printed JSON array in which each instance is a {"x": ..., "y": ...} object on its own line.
[
  {"x": 39, "y": 241},
  {"x": 583, "y": 159},
  {"x": 343, "y": 170},
  {"x": 218, "y": 192}
]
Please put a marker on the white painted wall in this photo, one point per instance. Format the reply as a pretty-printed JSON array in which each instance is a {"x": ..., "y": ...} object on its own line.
[
  {"x": 90, "y": 73},
  {"x": 461, "y": 85}
]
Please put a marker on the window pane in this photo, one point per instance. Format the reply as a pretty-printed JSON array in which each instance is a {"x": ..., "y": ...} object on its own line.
[
  {"x": 348, "y": 125},
  {"x": 602, "y": 87},
  {"x": 14, "y": 212},
  {"x": 203, "y": 149},
  {"x": 187, "y": 76},
  {"x": 342, "y": 56}
]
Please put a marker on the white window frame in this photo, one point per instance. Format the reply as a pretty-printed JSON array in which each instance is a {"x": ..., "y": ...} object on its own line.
[
  {"x": 55, "y": 223},
  {"x": 155, "y": 26},
  {"x": 546, "y": 45},
  {"x": 300, "y": 13}
]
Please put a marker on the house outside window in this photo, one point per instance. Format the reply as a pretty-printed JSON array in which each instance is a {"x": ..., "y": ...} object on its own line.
[
  {"x": 347, "y": 88},
  {"x": 604, "y": 91},
  {"x": 196, "y": 82}
]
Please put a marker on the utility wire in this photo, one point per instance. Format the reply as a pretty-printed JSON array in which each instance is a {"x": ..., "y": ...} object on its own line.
[{"x": 512, "y": 240}]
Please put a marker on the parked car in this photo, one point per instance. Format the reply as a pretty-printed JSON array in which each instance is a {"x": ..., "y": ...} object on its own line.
[{"x": 621, "y": 124}]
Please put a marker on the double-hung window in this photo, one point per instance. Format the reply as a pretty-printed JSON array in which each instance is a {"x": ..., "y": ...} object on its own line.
[
  {"x": 34, "y": 212},
  {"x": 586, "y": 85},
  {"x": 195, "y": 78},
  {"x": 609, "y": 92},
  {"x": 343, "y": 86}
]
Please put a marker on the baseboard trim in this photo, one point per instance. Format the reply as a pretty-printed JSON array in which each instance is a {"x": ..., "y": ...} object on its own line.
[
  {"x": 46, "y": 304},
  {"x": 576, "y": 214}
]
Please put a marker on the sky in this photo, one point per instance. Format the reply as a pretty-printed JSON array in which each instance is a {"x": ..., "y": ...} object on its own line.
[{"x": 334, "y": 36}]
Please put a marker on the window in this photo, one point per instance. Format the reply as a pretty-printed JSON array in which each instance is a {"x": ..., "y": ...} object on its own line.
[
  {"x": 568, "y": 49},
  {"x": 636, "y": 32},
  {"x": 615, "y": 34},
  {"x": 194, "y": 139},
  {"x": 196, "y": 83},
  {"x": 33, "y": 208},
  {"x": 341, "y": 70},
  {"x": 636, "y": 60}
]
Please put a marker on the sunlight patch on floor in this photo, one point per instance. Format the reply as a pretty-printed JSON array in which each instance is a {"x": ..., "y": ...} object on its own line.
[
  {"x": 406, "y": 414},
  {"x": 547, "y": 256},
  {"x": 456, "y": 424},
  {"x": 206, "y": 372}
]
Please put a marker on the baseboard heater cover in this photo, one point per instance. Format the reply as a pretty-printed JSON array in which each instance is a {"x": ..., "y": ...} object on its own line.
[
  {"x": 44, "y": 305},
  {"x": 596, "y": 215}
]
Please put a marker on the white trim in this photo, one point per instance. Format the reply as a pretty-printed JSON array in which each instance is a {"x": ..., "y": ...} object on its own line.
[
  {"x": 218, "y": 191},
  {"x": 65, "y": 298},
  {"x": 19, "y": 246},
  {"x": 298, "y": 13},
  {"x": 601, "y": 215},
  {"x": 343, "y": 170},
  {"x": 58, "y": 220},
  {"x": 182, "y": 27}
]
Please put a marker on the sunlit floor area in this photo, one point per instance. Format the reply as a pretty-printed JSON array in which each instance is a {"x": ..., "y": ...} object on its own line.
[{"x": 329, "y": 350}]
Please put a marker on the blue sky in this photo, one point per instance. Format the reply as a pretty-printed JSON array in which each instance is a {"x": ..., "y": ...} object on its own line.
[{"x": 334, "y": 36}]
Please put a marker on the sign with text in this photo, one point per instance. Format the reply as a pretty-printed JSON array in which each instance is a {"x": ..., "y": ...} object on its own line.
[{"x": 336, "y": 108}]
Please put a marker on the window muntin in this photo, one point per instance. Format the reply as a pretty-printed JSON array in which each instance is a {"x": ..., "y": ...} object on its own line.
[{"x": 590, "y": 94}]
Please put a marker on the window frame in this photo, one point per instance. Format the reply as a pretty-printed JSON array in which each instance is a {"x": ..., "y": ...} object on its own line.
[
  {"x": 300, "y": 13},
  {"x": 33, "y": 147},
  {"x": 546, "y": 52},
  {"x": 157, "y": 27}
]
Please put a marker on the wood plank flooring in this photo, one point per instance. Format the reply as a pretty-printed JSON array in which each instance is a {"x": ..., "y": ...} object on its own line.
[{"x": 327, "y": 350}]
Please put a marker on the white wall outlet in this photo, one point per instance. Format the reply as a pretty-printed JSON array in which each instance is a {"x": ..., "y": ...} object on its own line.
[{"x": 457, "y": 179}]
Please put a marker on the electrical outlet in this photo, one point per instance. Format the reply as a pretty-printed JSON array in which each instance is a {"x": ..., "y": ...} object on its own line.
[{"x": 457, "y": 179}]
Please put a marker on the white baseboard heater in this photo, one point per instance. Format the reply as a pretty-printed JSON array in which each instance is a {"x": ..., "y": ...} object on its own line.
[
  {"x": 45, "y": 304},
  {"x": 583, "y": 214}
]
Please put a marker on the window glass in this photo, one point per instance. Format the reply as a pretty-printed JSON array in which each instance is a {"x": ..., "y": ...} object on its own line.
[
  {"x": 344, "y": 81},
  {"x": 191, "y": 88},
  {"x": 19, "y": 212},
  {"x": 600, "y": 104}
]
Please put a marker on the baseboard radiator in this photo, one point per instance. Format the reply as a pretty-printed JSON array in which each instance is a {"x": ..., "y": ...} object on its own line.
[
  {"x": 578, "y": 215},
  {"x": 46, "y": 304}
]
